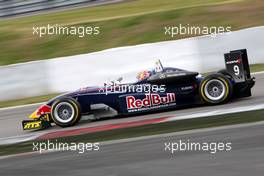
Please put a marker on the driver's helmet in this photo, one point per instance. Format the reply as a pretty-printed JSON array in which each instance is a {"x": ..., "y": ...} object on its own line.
[{"x": 143, "y": 75}]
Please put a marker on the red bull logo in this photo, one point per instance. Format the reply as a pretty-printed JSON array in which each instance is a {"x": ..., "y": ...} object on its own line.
[
  {"x": 149, "y": 100},
  {"x": 44, "y": 109}
]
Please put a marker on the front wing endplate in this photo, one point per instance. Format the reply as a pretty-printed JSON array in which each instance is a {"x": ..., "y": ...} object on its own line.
[{"x": 35, "y": 124}]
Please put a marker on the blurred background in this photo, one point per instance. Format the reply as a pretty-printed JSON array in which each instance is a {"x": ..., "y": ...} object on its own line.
[{"x": 11, "y": 8}]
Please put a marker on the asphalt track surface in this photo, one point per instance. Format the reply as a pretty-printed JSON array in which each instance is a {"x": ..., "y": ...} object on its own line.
[
  {"x": 148, "y": 156},
  {"x": 10, "y": 119}
]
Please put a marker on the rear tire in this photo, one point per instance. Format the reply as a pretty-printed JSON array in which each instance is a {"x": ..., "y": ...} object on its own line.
[
  {"x": 215, "y": 89},
  {"x": 65, "y": 112}
]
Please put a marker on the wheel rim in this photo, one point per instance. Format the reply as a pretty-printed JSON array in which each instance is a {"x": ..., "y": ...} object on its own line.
[
  {"x": 215, "y": 89},
  {"x": 64, "y": 112}
]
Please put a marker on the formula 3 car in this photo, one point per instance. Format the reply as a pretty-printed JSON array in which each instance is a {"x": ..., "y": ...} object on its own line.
[{"x": 159, "y": 89}]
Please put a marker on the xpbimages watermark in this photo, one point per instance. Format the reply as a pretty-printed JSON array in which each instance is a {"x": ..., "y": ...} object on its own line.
[
  {"x": 189, "y": 30},
  {"x": 79, "y": 31},
  {"x": 185, "y": 146},
  {"x": 132, "y": 88},
  {"x": 80, "y": 147}
]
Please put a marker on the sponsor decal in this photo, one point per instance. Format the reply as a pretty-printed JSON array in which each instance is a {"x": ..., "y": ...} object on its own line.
[
  {"x": 32, "y": 125},
  {"x": 238, "y": 61},
  {"x": 150, "y": 100},
  {"x": 187, "y": 88}
]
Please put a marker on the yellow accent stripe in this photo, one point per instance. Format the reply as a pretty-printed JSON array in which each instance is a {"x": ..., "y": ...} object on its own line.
[
  {"x": 226, "y": 93},
  {"x": 77, "y": 110},
  {"x": 227, "y": 88},
  {"x": 202, "y": 91}
]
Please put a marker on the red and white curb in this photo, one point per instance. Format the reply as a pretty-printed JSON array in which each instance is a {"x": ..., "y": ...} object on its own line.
[
  {"x": 56, "y": 134},
  {"x": 18, "y": 139}
]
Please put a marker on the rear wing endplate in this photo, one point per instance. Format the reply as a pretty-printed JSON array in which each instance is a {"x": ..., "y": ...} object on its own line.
[{"x": 237, "y": 65}]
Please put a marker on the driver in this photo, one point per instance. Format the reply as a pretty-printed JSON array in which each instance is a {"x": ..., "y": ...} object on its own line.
[{"x": 143, "y": 75}]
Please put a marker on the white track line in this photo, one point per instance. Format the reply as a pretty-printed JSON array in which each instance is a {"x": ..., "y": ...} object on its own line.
[
  {"x": 21, "y": 106},
  {"x": 257, "y": 73},
  {"x": 19, "y": 138},
  {"x": 23, "y": 138},
  {"x": 217, "y": 112}
]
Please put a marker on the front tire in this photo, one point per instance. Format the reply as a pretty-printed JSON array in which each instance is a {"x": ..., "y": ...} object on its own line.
[
  {"x": 215, "y": 89},
  {"x": 65, "y": 112}
]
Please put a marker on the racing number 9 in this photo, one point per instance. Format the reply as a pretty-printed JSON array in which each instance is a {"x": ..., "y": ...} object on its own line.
[{"x": 236, "y": 70}]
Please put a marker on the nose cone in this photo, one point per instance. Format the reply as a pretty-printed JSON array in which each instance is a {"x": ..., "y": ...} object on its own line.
[{"x": 44, "y": 109}]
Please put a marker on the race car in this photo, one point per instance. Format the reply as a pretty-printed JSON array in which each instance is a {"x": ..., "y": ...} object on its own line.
[{"x": 162, "y": 88}]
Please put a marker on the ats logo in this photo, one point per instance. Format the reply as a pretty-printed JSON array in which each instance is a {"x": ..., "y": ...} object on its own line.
[{"x": 149, "y": 100}]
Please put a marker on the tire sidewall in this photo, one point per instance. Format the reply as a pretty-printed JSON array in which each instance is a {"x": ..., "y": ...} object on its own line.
[
  {"x": 77, "y": 112},
  {"x": 226, "y": 82}
]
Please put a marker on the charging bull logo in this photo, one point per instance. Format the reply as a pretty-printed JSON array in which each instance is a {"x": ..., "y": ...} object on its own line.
[
  {"x": 44, "y": 109},
  {"x": 149, "y": 100}
]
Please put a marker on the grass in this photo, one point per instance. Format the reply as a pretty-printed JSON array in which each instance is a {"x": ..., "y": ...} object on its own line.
[
  {"x": 257, "y": 68},
  {"x": 167, "y": 127},
  {"x": 129, "y": 23},
  {"x": 25, "y": 101},
  {"x": 43, "y": 98}
]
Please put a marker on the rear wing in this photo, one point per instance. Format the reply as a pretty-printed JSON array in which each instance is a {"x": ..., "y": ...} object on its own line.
[{"x": 237, "y": 65}]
